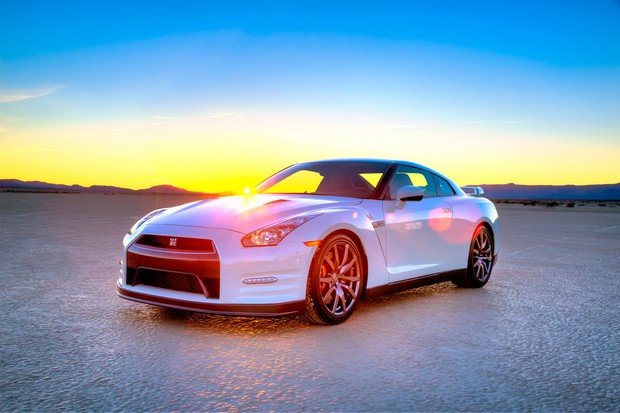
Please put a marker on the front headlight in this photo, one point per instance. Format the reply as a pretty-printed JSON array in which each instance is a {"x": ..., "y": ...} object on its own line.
[
  {"x": 144, "y": 219},
  {"x": 273, "y": 234}
]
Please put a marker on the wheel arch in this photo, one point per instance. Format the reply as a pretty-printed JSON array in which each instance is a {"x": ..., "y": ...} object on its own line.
[
  {"x": 488, "y": 226},
  {"x": 493, "y": 227},
  {"x": 358, "y": 242}
]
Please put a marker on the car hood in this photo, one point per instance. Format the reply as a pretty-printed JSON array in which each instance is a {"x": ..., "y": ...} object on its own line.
[{"x": 245, "y": 214}]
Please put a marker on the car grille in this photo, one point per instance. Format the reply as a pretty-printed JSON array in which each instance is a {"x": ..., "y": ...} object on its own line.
[
  {"x": 177, "y": 243},
  {"x": 175, "y": 263}
]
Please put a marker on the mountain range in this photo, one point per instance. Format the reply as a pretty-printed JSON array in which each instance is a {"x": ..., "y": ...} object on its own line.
[
  {"x": 15, "y": 185},
  {"x": 607, "y": 192}
]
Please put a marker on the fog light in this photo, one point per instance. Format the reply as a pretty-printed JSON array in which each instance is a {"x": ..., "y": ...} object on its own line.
[{"x": 260, "y": 280}]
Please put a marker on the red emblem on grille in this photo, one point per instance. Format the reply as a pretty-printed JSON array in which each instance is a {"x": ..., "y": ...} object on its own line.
[{"x": 173, "y": 242}]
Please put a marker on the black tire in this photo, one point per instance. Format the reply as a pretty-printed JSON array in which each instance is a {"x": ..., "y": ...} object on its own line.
[
  {"x": 480, "y": 261},
  {"x": 335, "y": 281}
]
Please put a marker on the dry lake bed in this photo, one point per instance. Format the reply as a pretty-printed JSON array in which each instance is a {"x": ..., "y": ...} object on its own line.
[{"x": 543, "y": 335}]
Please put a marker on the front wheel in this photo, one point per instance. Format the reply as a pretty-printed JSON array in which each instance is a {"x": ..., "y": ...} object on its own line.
[
  {"x": 335, "y": 281},
  {"x": 480, "y": 262}
]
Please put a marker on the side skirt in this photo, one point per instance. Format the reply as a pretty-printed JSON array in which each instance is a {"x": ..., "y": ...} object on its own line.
[{"x": 414, "y": 283}]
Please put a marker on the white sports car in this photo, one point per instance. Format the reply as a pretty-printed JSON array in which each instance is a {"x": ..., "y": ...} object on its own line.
[{"x": 313, "y": 239}]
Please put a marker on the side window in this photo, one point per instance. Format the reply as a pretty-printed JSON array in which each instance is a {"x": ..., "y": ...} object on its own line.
[
  {"x": 407, "y": 175},
  {"x": 443, "y": 187}
]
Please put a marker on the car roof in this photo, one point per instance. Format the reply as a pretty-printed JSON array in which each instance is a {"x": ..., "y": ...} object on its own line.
[{"x": 377, "y": 160}]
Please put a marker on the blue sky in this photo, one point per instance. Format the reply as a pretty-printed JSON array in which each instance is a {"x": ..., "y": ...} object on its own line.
[
  {"x": 487, "y": 92},
  {"x": 577, "y": 33}
]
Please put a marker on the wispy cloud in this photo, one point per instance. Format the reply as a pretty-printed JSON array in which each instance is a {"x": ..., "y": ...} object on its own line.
[
  {"x": 11, "y": 96},
  {"x": 34, "y": 147},
  {"x": 219, "y": 115},
  {"x": 165, "y": 118},
  {"x": 386, "y": 126},
  {"x": 123, "y": 128},
  {"x": 225, "y": 117}
]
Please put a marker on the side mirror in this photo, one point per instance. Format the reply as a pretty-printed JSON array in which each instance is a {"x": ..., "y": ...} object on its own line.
[{"x": 409, "y": 193}]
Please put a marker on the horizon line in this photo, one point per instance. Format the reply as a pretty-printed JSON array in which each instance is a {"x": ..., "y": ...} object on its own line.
[{"x": 218, "y": 192}]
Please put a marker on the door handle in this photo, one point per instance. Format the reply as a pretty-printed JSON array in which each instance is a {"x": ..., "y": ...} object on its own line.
[{"x": 446, "y": 210}]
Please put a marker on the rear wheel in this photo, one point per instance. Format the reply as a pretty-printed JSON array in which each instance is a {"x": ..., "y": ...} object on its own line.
[
  {"x": 335, "y": 281},
  {"x": 480, "y": 261}
]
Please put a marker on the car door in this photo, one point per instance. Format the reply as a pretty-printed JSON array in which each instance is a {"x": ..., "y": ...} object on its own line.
[{"x": 415, "y": 230}]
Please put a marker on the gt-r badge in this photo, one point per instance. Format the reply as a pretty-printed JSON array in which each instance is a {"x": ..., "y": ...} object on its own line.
[{"x": 173, "y": 242}]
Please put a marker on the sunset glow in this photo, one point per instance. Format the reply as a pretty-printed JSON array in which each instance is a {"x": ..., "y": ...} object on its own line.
[{"x": 220, "y": 102}]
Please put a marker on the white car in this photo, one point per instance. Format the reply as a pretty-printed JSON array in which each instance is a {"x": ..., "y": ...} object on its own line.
[{"x": 313, "y": 240}]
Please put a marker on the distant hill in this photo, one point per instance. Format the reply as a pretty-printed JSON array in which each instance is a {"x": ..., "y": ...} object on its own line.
[
  {"x": 15, "y": 185},
  {"x": 609, "y": 192},
  {"x": 167, "y": 189}
]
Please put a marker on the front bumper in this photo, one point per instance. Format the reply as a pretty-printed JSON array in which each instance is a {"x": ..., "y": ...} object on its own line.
[
  {"x": 215, "y": 281},
  {"x": 278, "y": 309}
]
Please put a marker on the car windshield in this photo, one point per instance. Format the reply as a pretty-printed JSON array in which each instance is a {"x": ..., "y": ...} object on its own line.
[{"x": 354, "y": 179}]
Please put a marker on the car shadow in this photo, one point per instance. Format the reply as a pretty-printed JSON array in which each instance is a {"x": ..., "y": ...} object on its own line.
[
  {"x": 221, "y": 324},
  {"x": 239, "y": 325}
]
